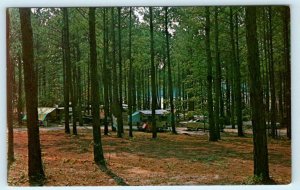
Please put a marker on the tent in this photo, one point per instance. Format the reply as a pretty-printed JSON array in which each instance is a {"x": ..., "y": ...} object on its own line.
[{"x": 44, "y": 113}]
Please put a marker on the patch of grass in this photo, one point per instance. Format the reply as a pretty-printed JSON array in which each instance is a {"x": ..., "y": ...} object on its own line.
[
  {"x": 112, "y": 143},
  {"x": 222, "y": 164},
  {"x": 207, "y": 159},
  {"x": 254, "y": 180},
  {"x": 170, "y": 165},
  {"x": 84, "y": 147}
]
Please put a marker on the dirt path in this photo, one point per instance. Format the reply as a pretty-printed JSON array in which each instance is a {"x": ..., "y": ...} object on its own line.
[{"x": 280, "y": 132}]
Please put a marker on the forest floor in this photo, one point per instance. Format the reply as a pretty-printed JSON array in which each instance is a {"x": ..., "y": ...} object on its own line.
[{"x": 183, "y": 159}]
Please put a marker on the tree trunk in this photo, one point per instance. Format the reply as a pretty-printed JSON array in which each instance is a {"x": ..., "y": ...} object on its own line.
[
  {"x": 153, "y": 81},
  {"x": 179, "y": 97},
  {"x": 218, "y": 77},
  {"x": 261, "y": 166},
  {"x": 170, "y": 83},
  {"x": 148, "y": 88},
  {"x": 266, "y": 63},
  {"x": 79, "y": 96},
  {"x": 228, "y": 95},
  {"x": 20, "y": 91},
  {"x": 133, "y": 89},
  {"x": 272, "y": 80},
  {"x": 125, "y": 88},
  {"x": 66, "y": 51},
  {"x": 157, "y": 88},
  {"x": 143, "y": 89},
  {"x": 212, "y": 131},
  {"x": 98, "y": 151},
  {"x": 139, "y": 91},
  {"x": 120, "y": 81},
  {"x": 130, "y": 77},
  {"x": 73, "y": 90},
  {"x": 110, "y": 95},
  {"x": 287, "y": 63},
  {"x": 280, "y": 96},
  {"x": 239, "y": 109},
  {"x": 164, "y": 83},
  {"x": 117, "y": 112},
  {"x": 35, "y": 168},
  {"x": 104, "y": 76},
  {"x": 236, "y": 74},
  {"x": 88, "y": 88},
  {"x": 78, "y": 92},
  {"x": 9, "y": 89}
]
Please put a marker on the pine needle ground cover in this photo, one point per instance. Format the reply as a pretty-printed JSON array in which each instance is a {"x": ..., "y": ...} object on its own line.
[{"x": 169, "y": 160}]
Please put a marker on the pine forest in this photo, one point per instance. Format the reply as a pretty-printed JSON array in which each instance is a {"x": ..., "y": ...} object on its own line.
[{"x": 105, "y": 96}]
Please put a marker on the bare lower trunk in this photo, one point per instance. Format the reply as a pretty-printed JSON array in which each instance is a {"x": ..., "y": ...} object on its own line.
[
  {"x": 212, "y": 132},
  {"x": 153, "y": 81},
  {"x": 261, "y": 166},
  {"x": 9, "y": 88},
  {"x": 98, "y": 151},
  {"x": 35, "y": 167}
]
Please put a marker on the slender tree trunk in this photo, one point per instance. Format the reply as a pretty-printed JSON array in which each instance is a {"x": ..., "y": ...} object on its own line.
[
  {"x": 228, "y": 95},
  {"x": 133, "y": 89},
  {"x": 280, "y": 96},
  {"x": 164, "y": 83},
  {"x": 115, "y": 104},
  {"x": 110, "y": 95},
  {"x": 130, "y": 76},
  {"x": 261, "y": 166},
  {"x": 157, "y": 88},
  {"x": 88, "y": 88},
  {"x": 218, "y": 77},
  {"x": 73, "y": 90},
  {"x": 79, "y": 96},
  {"x": 266, "y": 63},
  {"x": 228, "y": 110},
  {"x": 39, "y": 81},
  {"x": 183, "y": 96},
  {"x": 139, "y": 91},
  {"x": 120, "y": 69},
  {"x": 232, "y": 99},
  {"x": 35, "y": 167},
  {"x": 98, "y": 151},
  {"x": 212, "y": 131},
  {"x": 143, "y": 89},
  {"x": 236, "y": 74},
  {"x": 66, "y": 52},
  {"x": 286, "y": 53},
  {"x": 104, "y": 79},
  {"x": 170, "y": 83},
  {"x": 179, "y": 98},
  {"x": 78, "y": 86},
  {"x": 272, "y": 80},
  {"x": 20, "y": 91},
  {"x": 153, "y": 81},
  {"x": 148, "y": 88},
  {"x": 9, "y": 89},
  {"x": 125, "y": 88},
  {"x": 239, "y": 109}
]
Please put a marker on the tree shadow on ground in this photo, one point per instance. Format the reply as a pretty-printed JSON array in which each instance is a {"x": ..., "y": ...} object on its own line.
[
  {"x": 110, "y": 173},
  {"x": 192, "y": 148}
]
